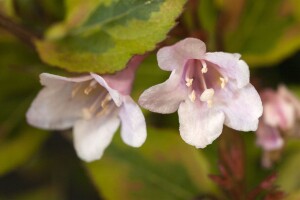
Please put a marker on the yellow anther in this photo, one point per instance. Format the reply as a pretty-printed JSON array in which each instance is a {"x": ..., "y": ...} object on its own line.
[
  {"x": 204, "y": 67},
  {"x": 189, "y": 82},
  {"x": 223, "y": 81},
  {"x": 92, "y": 86},
  {"x": 105, "y": 100},
  {"x": 76, "y": 89}
]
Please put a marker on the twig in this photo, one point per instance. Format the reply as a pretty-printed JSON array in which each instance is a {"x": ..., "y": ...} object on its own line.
[{"x": 17, "y": 30}]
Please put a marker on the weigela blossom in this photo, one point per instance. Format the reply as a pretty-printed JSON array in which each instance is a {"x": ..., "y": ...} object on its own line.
[
  {"x": 281, "y": 112},
  {"x": 207, "y": 89},
  {"x": 94, "y": 106}
]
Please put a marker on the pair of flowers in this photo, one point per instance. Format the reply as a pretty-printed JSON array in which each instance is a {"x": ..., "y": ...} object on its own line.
[{"x": 207, "y": 89}]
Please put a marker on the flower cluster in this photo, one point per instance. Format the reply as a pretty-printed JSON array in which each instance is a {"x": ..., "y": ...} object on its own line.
[
  {"x": 207, "y": 89},
  {"x": 279, "y": 121}
]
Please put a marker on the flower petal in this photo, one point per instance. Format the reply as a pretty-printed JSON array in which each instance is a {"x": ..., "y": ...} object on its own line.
[
  {"x": 268, "y": 137},
  {"x": 231, "y": 66},
  {"x": 122, "y": 80},
  {"x": 54, "y": 107},
  {"x": 115, "y": 95},
  {"x": 199, "y": 125},
  {"x": 51, "y": 79},
  {"x": 279, "y": 112},
  {"x": 91, "y": 137},
  {"x": 175, "y": 56},
  {"x": 286, "y": 94},
  {"x": 133, "y": 129},
  {"x": 164, "y": 97},
  {"x": 242, "y": 109}
]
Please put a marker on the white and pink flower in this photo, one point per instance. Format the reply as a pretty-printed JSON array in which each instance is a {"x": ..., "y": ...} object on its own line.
[
  {"x": 281, "y": 112},
  {"x": 94, "y": 106},
  {"x": 207, "y": 89}
]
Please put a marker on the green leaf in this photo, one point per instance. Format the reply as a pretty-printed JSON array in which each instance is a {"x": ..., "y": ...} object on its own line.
[
  {"x": 7, "y": 8},
  {"x": 293, "y": 196},
  {"x": 208, "y": 16},
  {"x": 288, "y": 171},
  {"x": 147, "y": 75},
  {"x": 19, "y": 149},
  {"x": 265, "y": 33},
  {"x": 48, "y": 192},
  {"x": 163, "y": 168},
  {"x": 288, "y": 43},
  {"x": 19, "y": 84},
  {"x": 101, "y": 36}
]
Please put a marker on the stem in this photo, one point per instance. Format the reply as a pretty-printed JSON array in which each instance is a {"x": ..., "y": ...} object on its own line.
[{"x": 20, "y": 32}]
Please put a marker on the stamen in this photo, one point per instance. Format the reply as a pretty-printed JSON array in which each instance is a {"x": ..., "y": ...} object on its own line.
[
  {"x": 89, "y": 112},
  {"x": 223, "y": 81},
  {"x": 192, "y": 96},
  {"x": 105, "y": 100},
  {"x": 189, "y": 81},
  {"x": 76, "y": 89},
  {"x": 102, "y": 112},
  {"x": 204, "y": 67},
  {"x": 91, "y": 87}
]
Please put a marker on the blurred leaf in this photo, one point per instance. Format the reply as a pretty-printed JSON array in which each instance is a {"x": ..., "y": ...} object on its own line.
[
  {"x": 18, "y": 83},
  {"x": 101, "y": 36},
  {"x": 294, "y": 5},
  {"x": 293, "y": 196},
  {"x": 40, "y": 193},
  {"x": 163, "y": 168},
  {"x": 6, "y": 7},
  {"x": 148, "y": 74},
  {"x": 16, "y": 151},
  {"x": 265, "y": 33},
  {"x": 296, "y": 90},
  {"x": 288, "y": 171},
  {"x": 288, "y": 43},
  {"x": 208, "y": 16},
  {"x": 36, "y": 16}
]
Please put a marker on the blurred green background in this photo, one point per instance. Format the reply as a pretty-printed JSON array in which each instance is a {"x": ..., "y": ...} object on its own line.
[{"x": 37, "y": 35}]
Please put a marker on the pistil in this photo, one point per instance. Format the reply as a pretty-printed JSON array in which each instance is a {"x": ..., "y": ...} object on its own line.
[{"x": 207, "y": 96}]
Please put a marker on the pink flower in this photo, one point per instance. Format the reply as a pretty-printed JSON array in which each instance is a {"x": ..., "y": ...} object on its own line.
[
  {"x": 207, "y": 89},
  {"x": 281, "y": 110},
  {"x": 94, "y": 106}
]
